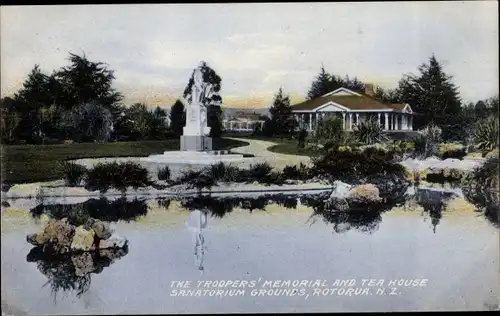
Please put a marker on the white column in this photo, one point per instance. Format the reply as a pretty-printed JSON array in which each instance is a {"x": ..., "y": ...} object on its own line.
[
  {"x": 310, "y": 121},
  {"x": 231, "y": 125},
  {"x": 411, "y": 122},
  {"x": 350, "y": 121},
  {"x": 386, "y": 121},
  {"x": 316, "y": 120},
  {"x": 378, "y": 115},
  {"x": 357, "y": 119},
  {"x": 343, "y": 121}
]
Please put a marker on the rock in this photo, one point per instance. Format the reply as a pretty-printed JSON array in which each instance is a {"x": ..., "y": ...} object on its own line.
[
  {"x": 83, "y": 239},
  {"x": 37, "y": 239},
  {"x": 113, "y": 242},
  {"x": 364, "y": 193},
  {"x": 112, "y": 254},
  {"x": 340, "y": 189},
  {"x": 102, "y": 229},
  {"x": 59, "y": 234},
  {"x": 410, "y": 192},
  {"x": 83, "y": 263},
  {"x": 492, "y": 154}
]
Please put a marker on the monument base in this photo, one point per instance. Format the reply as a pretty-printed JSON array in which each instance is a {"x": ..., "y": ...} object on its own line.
[{"x": 196, "y": 143}]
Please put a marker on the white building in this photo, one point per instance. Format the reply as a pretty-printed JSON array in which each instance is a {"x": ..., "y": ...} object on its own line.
[
  {"x": 354, "y": 108},
  {"x": 242, "y": 122}
]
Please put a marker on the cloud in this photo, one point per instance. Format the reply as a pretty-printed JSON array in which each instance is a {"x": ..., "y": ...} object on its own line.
[{"x": 255, "y": 48}]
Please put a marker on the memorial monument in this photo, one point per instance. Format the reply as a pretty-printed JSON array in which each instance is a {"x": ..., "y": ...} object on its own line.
[
  {"x": 195, "y": 142},
  {"x": 196, "y": 131}
]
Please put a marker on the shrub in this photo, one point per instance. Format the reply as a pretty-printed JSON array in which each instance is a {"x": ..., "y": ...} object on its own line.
[
  {"x": 296, "y": 173},
  {"x": 273, "y": 177},
  {"x": 188, "y": 176},
  {"x": 222, "y": 172},
  {"x": 358, "y": 166},
  {"x": 259, "y": 171},
  {"x": 198, "y": 179},
  {"x": 73, "y": 173},
  {"x": 117, "y": 175},
  {"x": 369, "y": 132},
  {"x": 301, "y": 138},
  {"x": 486, "y": 175},
  {"x": 485, "y": 134},
  {"x": 454, "y": 154},
  {"x": 164, "y": 173},
  {"x": 432, "y": 133},
  {"x": 330, "y": 133}
]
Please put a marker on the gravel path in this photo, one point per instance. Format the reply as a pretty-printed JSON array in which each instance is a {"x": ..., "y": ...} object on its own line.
[{"x": 258, "y": 148}]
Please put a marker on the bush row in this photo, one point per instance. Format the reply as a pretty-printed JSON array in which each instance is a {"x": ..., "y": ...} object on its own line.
[{"x": 104, "y": 176}]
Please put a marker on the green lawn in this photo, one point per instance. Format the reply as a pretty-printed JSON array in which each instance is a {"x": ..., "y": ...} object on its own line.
[
  {"x": 290, "y": 148},
  {"x": 33, "y": 163}
]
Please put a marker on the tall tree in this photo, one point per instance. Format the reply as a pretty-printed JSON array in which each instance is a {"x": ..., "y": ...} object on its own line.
[
  {"x": 282, "y": 118},
  {"x": 325, "y": 82},
  {"x": 9, "y": 120},
  {"x": 387, "y": 96},
  {"x": 85, "y": 81},
  {"x": 30, "y": 99},
  {"x": 177, "y": 118},
  {"x": 320, "y": 84},
  {"x": 212, "y": 101},
  {"x": 433, "y": 96}
]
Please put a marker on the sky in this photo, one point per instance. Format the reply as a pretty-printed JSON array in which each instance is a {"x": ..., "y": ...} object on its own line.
[{"x": 255, "y": 47}]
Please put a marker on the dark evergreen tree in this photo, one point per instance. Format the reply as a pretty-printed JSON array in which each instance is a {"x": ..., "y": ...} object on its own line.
[
  {"x": 84, "y": 81},
  {"x": 29, "y": 100},
  {"x": 433, "y": 96},
  {"x": 325, "y": 82},
  {"x": 282, "y": 118},
  {"x": 387, "y": 96},
  {"x": 320, "y": 85},
  {"x": 177, "y": 118}
]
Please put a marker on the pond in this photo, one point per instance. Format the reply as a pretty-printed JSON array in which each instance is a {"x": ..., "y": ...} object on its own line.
[{"x": 262, "y": 254}]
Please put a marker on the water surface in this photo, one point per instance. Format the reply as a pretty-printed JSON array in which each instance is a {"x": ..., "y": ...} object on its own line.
[{"x": 258, "y": 240}]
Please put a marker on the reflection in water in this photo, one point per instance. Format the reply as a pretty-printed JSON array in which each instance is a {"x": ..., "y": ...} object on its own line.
[
  {"x": 72, "y": 272},
  {"x": 219, "y": 207},
  {"x": 163, "y": 203},
  {"x": 433, "y": 203},
  {"x": 365, "y": 217},
  {"x": 486, "y": 200},
  {"x": 196, "y": 222},
  {"x": 102, "y": 209}
]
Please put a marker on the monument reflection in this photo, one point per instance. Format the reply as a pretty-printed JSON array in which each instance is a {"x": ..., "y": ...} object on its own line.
[{"x": 196, "y": 222}]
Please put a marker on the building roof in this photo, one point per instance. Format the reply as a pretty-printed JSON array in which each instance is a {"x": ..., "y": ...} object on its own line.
[{"x": 350, "y": 100}]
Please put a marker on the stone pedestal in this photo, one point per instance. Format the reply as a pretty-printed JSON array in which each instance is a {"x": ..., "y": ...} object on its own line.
[{"x": 196, "y": 143}]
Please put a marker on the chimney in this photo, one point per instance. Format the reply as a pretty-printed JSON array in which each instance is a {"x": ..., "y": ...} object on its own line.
[{"x": 369, "y": 89}]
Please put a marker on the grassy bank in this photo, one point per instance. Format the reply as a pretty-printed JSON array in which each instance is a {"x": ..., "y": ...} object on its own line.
[{"x": 33, "y": 163}]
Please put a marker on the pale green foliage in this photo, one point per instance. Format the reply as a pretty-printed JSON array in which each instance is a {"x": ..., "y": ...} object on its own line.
[
  {"x": 485, "y": 134},
  {"x": 369, "y": 132}
]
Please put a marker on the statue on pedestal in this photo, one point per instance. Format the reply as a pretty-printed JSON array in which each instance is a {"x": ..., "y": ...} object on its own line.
[{"x": 196, "y": 131}]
